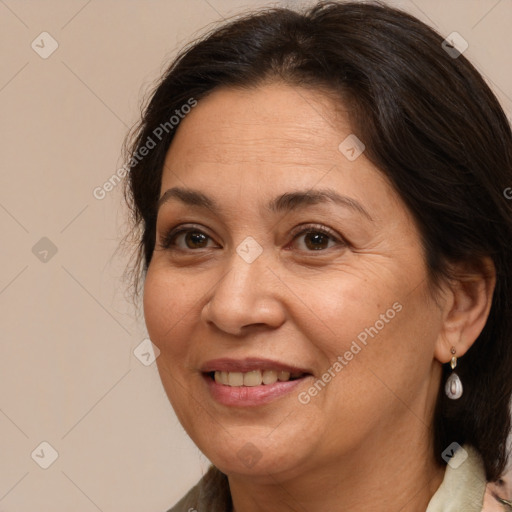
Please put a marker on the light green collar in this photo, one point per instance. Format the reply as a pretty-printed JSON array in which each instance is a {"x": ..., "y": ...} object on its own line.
[{"x": 463, "y": 486}]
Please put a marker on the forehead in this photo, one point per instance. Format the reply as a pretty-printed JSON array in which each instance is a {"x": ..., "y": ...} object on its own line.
[
  {"x": 247, "y": 143},
  {"x": 272, "y": 122}
]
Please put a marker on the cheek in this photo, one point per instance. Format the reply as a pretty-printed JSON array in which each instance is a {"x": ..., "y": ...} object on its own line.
[
  {"x": 383, "y": 333},
  {"x": 166, "y": 308},
  {"x": 154, "y": 302},
  {"x": 346, "y": 308},
  {"x": 165, "y": 313}
]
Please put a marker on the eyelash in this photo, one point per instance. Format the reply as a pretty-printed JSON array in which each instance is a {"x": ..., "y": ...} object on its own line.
[{"x": 169, "y": 238}]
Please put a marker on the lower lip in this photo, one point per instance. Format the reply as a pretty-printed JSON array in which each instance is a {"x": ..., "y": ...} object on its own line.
[{"x": 250, "y": 396}]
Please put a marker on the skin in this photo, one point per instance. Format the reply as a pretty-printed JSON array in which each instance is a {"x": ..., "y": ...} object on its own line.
[
  {"x": 363, "y": 443},
  {"x": 496, "y": 490},
  {"x": 491, "y": 504}
]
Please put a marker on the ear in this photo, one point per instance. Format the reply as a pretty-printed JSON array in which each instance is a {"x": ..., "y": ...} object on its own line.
[{"x": 468, "y": 300}]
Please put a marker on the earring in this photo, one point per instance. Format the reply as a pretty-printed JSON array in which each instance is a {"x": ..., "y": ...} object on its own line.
[{"x": 453, "y": 387}]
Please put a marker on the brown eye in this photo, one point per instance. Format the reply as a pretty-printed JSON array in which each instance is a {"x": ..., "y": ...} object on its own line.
[
  {"x": 195, "y": 239},
  {"x": 192, "y": 239},
  {"x": 317, "y": 238}
]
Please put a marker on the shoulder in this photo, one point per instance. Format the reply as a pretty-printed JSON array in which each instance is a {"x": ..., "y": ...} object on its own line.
[{"x": 210, "y": 494}]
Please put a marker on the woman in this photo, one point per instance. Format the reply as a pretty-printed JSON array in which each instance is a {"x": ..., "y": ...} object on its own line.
[{"x": 325, "y": 248}]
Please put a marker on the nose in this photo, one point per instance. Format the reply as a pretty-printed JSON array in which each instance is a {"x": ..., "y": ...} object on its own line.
[{"x": 247, "y": 295}]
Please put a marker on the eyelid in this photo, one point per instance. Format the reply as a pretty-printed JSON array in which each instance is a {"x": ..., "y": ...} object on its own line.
[
  {"x": 305, "y": 228},
  {"x": 319, "y": 228},
  {"x": 168, "y": 236}
]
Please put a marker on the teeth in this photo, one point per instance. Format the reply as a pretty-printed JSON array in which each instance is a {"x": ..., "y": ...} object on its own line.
[
  {"x": 253, "y": 378},
  {"x": 269, "y": 377},
  {"x": 282, "y": 376},
  {"x": 235, "y": 379}
]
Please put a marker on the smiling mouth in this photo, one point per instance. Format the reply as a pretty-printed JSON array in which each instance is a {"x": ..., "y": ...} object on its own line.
[{"x": 253, "y": 378}]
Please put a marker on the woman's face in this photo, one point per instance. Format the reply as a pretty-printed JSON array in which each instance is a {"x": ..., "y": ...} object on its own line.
[{"x": 269, "y": 279}]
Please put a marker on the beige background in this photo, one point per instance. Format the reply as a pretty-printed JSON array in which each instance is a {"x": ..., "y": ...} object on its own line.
[{"x": 67, "y": 369}]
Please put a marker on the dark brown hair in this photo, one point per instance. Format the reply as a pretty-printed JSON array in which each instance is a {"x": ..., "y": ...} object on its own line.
[{"x": 430, "y": 124}]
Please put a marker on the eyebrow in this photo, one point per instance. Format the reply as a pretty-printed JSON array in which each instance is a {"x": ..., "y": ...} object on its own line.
[{"x": 285, "y": 202}]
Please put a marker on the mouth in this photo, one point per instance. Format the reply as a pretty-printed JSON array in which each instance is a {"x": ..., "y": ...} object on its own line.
[
  {"x": 251, "y": 371},
  {"x": 254, "y": 377},
  {"x": 251, "y": 382}
]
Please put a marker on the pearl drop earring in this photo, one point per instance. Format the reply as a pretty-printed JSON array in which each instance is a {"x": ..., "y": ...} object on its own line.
[{"x": 453, "y": 387}]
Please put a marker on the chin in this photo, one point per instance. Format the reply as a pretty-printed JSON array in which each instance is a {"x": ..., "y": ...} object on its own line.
[{"x": 256, "y": 458}]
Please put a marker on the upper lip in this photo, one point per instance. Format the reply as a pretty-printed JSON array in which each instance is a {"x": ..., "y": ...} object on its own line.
[{"x": 227, "y": 364}]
